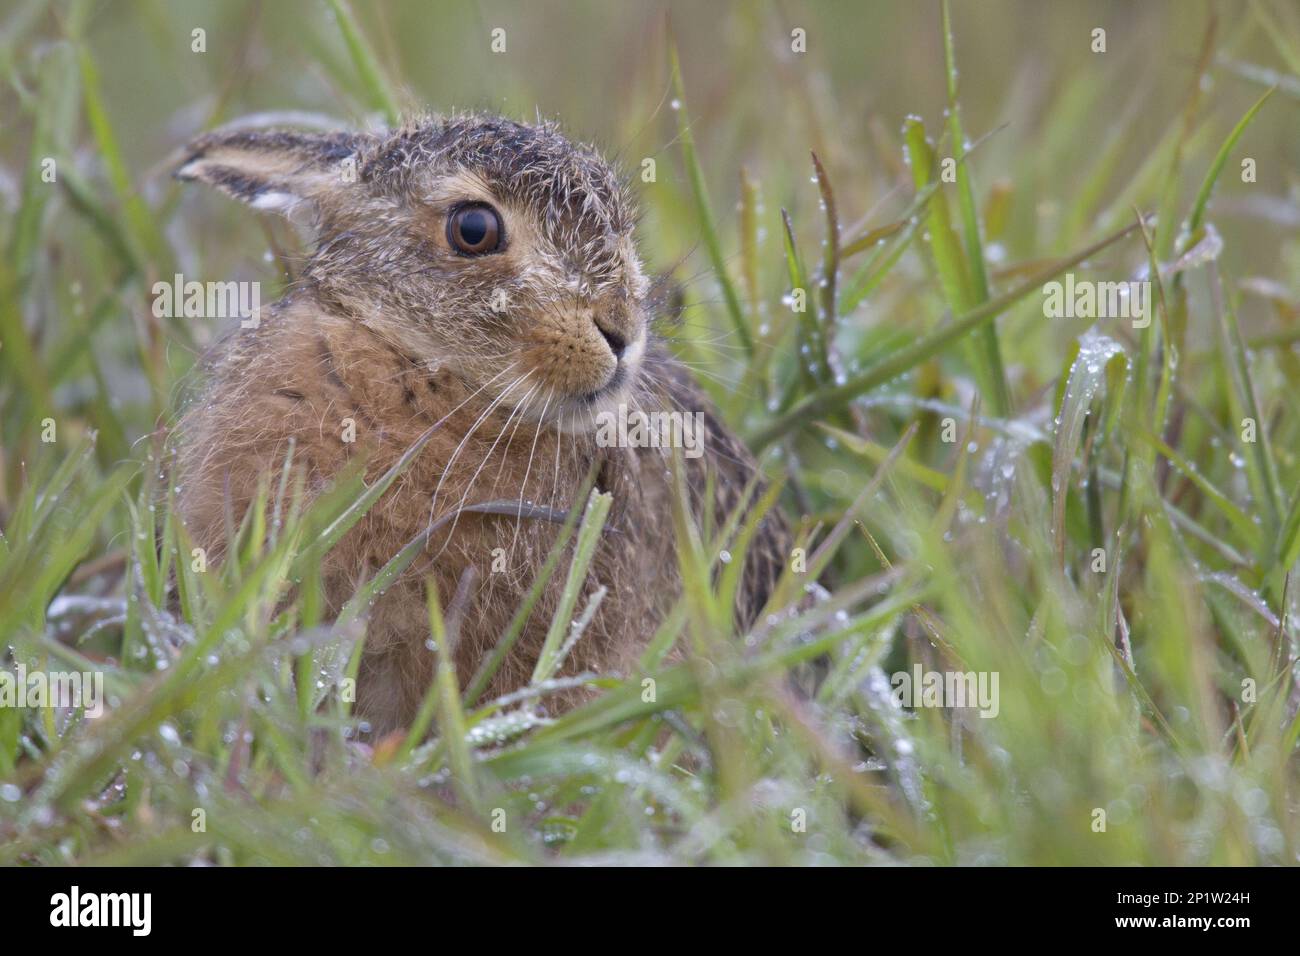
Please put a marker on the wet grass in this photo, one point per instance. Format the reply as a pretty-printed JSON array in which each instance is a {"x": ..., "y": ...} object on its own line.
[{"x": 1103, "y": 514}]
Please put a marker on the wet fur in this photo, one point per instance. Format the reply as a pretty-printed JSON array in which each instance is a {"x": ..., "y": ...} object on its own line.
[{"x": 384, "y": 328}]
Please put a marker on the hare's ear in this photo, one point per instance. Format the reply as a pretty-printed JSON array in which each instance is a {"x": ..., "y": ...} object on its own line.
[{"x": 271, "y": 169}]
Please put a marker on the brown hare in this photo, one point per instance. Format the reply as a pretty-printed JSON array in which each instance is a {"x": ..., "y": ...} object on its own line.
[{"x": 480, "y": 275}]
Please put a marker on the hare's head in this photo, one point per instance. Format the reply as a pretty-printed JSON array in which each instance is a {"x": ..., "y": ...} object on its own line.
[{"x": 499, "y": 250}]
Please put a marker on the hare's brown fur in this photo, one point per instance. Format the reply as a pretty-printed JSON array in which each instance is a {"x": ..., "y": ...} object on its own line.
[{"x": 391, "y": 330}]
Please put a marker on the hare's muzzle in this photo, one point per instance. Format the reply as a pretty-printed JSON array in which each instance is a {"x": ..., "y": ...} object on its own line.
[{"x": 582, "y": 353}]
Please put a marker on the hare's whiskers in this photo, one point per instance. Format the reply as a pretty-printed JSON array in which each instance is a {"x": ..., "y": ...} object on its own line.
[
  {"x": 523, "y": 488},
  {"x": 522, "y": 407},
  {"x": 460, "y": 505},
  {"x": 433, "y": 503},
  {"x": 559, "y": 443}
]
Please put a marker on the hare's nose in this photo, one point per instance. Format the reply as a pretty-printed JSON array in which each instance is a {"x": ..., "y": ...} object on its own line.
[{"x": 617, "y": 344}]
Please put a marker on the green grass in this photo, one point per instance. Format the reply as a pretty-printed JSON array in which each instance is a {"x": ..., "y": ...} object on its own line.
[{"x": 1068, "y": 504}]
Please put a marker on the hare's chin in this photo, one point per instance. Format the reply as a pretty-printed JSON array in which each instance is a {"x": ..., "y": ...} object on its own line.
[{"x": 581, "y": 415}]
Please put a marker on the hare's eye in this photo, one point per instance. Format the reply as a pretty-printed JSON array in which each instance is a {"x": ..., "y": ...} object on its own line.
[{"x": 474, "y": 229}]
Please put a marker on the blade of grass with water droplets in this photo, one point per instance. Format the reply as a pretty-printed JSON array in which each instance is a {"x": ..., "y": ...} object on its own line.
[
  {"x": 588, "y": 537},
  {"x": 814, "y": 366},
  {"x": 926, "y": 347},
  {"x": 1088, "y": 375},
  {"x": 1220, "y": 159},
  {"x": 487, "y": 670},
  {"x": 1245, "y": 404},
  {"x": 705, "y": 211},
  {"x": 1236, "y": 517}
]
